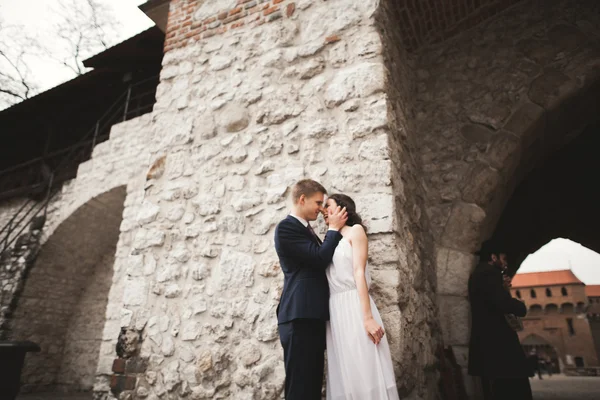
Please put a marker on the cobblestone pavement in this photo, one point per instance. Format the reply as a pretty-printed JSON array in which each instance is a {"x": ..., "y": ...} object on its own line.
[
  {"x": 557, "y": 387},
  {"x": 561, "y": 387}
]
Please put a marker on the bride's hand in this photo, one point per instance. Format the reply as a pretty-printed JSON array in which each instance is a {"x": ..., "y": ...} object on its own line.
[{"x": 374, "y": 330}]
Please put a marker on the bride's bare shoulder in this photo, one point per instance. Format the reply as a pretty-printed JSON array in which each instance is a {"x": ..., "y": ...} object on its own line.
[{"x": 358, "y": 231}]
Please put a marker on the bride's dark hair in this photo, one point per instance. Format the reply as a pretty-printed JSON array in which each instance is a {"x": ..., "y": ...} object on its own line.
[{"x": 345, "y": 201}]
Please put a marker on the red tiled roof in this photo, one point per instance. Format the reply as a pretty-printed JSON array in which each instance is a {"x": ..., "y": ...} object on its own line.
[
  {"x": 592, "y": 290},
  {"x": 548, "y": 278}
]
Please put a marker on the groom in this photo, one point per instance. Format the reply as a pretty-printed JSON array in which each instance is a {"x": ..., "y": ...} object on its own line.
[{"x": 304, "y": 305}]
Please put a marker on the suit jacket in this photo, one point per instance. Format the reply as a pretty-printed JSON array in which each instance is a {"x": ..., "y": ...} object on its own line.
[
  {"x": 494, "y": 347},
  {"x": 303, "y": 262}
]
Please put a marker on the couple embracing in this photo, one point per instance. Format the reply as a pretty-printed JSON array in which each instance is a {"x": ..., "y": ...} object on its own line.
[{"x": 326, "y": 303}]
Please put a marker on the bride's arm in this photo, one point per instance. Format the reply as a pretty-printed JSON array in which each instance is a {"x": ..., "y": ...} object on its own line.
[{"x": 360, "y": 246}]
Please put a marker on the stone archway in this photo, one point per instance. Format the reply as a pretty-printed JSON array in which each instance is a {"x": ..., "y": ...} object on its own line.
[
  {"x": 492, "y": 105},
  {"x": 63, "y": 303},
  {"x": 543, "y": 348},
  {"x": 558, "y": 199}
]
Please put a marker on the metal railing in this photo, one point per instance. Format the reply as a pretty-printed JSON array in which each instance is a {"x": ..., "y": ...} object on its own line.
[
  {"x": 138, "y": 99},
  {"x": 45, "y": 175}
]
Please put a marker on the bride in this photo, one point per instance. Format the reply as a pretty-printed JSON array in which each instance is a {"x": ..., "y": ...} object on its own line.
[{"x": 359, "y": 363}]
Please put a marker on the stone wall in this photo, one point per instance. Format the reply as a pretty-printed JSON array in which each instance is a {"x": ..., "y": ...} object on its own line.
[
  {"x": 255, "y": 95},
  {"x": 427, "y": 22},
  {"x": 491, "y": 104},
  {"x": 415, "y": 300},
  {"x": 240, "y": 116},
  {"x": 63, "y": 293},
  {"x": 84, "y": 334},
  {"x": 115, "y": 163}
]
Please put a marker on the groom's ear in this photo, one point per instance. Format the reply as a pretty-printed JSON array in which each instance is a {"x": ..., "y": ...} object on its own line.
[{"x": 302, "y": 199}]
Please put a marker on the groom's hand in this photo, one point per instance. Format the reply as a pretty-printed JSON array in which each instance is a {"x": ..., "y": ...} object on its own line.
[{"x": 337, "y": 218}]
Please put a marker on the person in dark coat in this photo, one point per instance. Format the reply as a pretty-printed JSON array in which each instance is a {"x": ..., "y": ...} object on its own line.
[
  {"x": 534, "y": 362},
  {"x": 304, "y": 305},
  {"x": 495, "y": 353}
]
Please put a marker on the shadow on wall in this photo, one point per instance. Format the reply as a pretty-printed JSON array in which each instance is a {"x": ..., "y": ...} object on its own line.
[{"x": 63, "y": 303}]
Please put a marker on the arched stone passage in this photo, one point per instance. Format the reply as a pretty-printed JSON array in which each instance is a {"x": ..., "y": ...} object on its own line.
[
  {"x": 63, "y": 303},
  {"x": 558, "y": 199},
  {"x": 543, "y": 348},
  {"x": 493, "y": 105}
]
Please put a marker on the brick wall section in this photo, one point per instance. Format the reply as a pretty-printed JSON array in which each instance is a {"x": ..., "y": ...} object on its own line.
[
  {"x": 420, "y": 22},
  {"x": 552, "y": 327},
  {"x": 424, "y": 22},
  {"x": 550, "y": 323},
  {"x": 186, "y": 27},
  {"x": 64, "y": 299},
  {"x": 84, "y": 335},
  {"x": 595, "y": 329},
  {"x": 575, "y": 295}
]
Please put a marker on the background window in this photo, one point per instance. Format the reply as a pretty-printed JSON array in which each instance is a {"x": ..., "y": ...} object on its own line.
[
  {"x": 533, "y": 295},
  {"x": 564, "y": 291},
  {"x": 519, "y": 294},
  {"x": 548, "y": 292}
]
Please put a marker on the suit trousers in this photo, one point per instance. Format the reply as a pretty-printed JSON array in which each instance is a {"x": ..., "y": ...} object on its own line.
[
  {"x": 303, "y": 342},
  {"x": 506, "y": 389}
]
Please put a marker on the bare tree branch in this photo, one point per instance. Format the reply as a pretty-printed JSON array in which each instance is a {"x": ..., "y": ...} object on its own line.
[
  {"x": 86, "y": 27},
  {"x": 16, "y": 83},
  {"x": 83, "y": 28}
]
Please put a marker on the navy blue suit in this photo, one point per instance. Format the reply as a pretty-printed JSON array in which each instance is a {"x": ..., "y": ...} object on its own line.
[{"x": 304, "y": 305}]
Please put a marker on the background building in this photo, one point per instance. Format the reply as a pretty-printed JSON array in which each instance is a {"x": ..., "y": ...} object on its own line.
[{"x": 559, "y": 323}]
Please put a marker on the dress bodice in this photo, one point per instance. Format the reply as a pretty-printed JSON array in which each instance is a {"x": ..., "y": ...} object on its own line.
[{"x": 340, "y": 273}]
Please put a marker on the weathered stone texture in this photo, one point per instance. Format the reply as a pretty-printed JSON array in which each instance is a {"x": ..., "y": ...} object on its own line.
[
  {"x": 430, "y": 145},
  {"x": 490, "y": 104},
  {"x": 71, "y": 241},
  {"x": 426, "y": 22},
  {"x": 84, "y": 335},
  {"x": 63, "y": 303},
  {"x": 299, "y": 97},
  {"x": 414, "y": 269},
  {"x": 485, "y": 97}
]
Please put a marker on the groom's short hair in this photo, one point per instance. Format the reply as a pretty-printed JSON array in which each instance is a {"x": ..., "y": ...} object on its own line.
[{"x": 306, "y": 187}]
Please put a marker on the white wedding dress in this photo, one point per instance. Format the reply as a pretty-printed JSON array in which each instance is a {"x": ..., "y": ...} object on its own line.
[{"x": 357, "y": 369}]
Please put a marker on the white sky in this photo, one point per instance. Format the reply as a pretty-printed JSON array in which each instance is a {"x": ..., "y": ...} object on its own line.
[
  {"x": 37, "y": 19},
  {"x": 562, "y": 254}
]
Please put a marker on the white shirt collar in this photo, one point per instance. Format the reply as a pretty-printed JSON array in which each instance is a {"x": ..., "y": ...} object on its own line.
[{"x": 302, "y": 220}]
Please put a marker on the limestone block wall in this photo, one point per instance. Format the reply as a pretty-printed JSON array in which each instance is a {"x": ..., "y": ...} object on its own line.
[
  {"x": 242, "y": 113},
  {"x": 491, "y": 104},
  {"x": 416, "y": 293}
]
